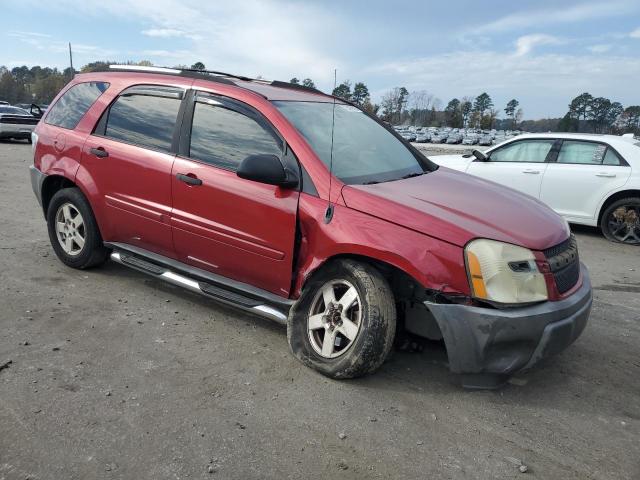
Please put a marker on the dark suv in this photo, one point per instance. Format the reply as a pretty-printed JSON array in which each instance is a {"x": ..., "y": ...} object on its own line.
[{"x": 300, "y": 207}]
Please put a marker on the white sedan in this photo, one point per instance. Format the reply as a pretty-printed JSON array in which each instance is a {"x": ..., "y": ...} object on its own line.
[{"x": 588, "y": 179}]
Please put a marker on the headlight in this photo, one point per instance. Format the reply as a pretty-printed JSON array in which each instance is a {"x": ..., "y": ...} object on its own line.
[{"x": 504, "y": 273}]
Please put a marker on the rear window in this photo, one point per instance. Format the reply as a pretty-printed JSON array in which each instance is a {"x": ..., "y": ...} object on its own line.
[{"x": 71, "y": 107}]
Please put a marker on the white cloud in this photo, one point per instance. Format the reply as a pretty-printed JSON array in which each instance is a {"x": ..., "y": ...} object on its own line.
[
  {"x": 635, "y": 33},
  {"x": 169, "y": 33},
  {"x": 572, "y": 14},
  {"x": 544, "y": 84},
  {"x": 603, "y": 48},
  {"x": 163, "y": 32},
  {"x": 527, "y": 43},
  {"x": 46, "y": 43},
  {"x": 272, "y": 38}
]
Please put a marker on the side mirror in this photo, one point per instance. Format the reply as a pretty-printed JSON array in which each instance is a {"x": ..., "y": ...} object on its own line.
[
  {"x": 266, "y": 169},
  {"x": 480, "y": 156},
  {"x": 35, "y": 110}
]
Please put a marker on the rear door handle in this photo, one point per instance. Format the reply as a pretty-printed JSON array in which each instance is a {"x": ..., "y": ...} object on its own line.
[
  {"x": 534, "y": 172},
  {"x": 605, "y": 174},
  {"x": 99, "y": 152},
  {"x": 190, "y": 179}
]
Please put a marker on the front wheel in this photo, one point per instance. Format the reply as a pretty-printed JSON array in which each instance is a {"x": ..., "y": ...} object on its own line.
[
  {"x": 621, "y": 221},
  {"x": 344, "y": 323}
]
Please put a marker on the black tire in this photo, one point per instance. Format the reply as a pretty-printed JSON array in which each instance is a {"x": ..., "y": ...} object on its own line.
[
  {"x": 375, "y": 337},
  {"x": 631, "y": 220},
  {"x": 93, "y": 252}
]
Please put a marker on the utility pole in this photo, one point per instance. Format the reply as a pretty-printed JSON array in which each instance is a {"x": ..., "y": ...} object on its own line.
[{"x": 73, "y": 72}]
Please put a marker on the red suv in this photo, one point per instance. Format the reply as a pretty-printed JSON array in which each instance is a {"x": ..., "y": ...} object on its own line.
[{"x": 298, "y": 206}]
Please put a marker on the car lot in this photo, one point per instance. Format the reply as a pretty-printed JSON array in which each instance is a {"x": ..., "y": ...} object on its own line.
[{"x": 115, "y": 375}]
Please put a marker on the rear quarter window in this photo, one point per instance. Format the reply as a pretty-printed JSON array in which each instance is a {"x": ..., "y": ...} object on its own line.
[{"x": 71, "y": 107}]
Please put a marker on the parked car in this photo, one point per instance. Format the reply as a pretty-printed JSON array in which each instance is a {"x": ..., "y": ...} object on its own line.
[
  {"x": 485, "y": 140},
  {"x": 588, "y": 179},
  {"x": 470, "y": 140},
  {"x": 454, "y": 139},
  {"x": 16, "y": 123},
  {"x": 35, "y": 110},
  {"x": 408, "y": 136},
  {"x": 438, "y": 138},
  {"x": 294, "y": 205},
  {"x": 423, "y": 137}
]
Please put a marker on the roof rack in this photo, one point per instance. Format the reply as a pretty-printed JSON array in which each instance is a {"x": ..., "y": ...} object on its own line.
[{"x": 221, "y": 76}]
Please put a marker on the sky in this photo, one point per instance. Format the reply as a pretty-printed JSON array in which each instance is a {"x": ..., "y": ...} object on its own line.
[{"x": 542, "y": 53}]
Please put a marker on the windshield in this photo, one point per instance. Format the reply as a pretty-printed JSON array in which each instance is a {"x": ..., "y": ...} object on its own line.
[
  {"x": 13, "y": 110},
  {"x": 363, "y": 150}
]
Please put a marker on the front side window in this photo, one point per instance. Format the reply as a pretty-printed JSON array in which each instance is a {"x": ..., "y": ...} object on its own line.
[
  {"x": 225, "y": 137},
  {"x": 143, "y": 119},
  {"x": 363, "y": 150},
  {"x": 525, "y": 151},
  {"x": 585, "y": 153},
  {"x": 74, "y": 103}
]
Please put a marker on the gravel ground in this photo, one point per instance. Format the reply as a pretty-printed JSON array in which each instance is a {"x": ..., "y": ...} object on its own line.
[{"x": 114, "y": 375}]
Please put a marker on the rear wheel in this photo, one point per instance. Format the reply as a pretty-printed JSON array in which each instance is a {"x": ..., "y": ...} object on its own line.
[
  {"x": 621, "y": 221},
  {"x": 73, "y": 230},
  {"x": 344, "y": 323}
]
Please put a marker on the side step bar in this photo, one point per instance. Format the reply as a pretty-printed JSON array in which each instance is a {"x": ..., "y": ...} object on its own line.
[{"x": 257, "y": 306}]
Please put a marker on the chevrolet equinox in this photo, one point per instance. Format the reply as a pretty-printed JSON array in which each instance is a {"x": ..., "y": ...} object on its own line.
[{"x": 300, "y": 207}]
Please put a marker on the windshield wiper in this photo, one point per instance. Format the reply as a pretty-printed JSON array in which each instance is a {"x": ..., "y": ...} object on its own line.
[
  {"x": 411, "y": 175},
  {"x": 371, "y": 182}
]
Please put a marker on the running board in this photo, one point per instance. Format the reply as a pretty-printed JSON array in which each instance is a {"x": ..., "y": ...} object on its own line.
[{"x": 206, "y": 289}]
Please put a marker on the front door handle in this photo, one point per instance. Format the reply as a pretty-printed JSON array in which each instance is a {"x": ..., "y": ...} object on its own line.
[
  {"x": 99, "y": 152},
  {"x": 534, "y": 172},
  {"x": 605, "y": 174},
  {"x": 190, "y": 179}
]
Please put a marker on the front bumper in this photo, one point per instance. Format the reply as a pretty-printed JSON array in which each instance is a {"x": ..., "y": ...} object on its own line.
[
  {"x": 37, "y": 179},
  {"x": 497, "y": 343}
]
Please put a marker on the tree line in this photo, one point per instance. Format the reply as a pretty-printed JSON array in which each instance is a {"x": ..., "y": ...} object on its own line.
[
  {"x": 600, "y": 115},
  {"x": 586, "y": 113}
]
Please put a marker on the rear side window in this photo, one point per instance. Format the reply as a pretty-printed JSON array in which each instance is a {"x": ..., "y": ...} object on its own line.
[
  {"x": 611, "y": 158},
  {"x": 585, "y": 153},
  {"x": 71, "y": 107},
  {"x": 529, "y": 151},
  {"x": 225, "y": 137},
  {"x": 144, "y": 119}
]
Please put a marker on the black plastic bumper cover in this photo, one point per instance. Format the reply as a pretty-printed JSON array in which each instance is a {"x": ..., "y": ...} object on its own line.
[
  {"x": 37, "y": 179},
  {"x": 484, "y": 340}
]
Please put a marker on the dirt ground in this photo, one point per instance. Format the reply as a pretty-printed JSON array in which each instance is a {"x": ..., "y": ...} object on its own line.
[{"x": 114, "y": 375}]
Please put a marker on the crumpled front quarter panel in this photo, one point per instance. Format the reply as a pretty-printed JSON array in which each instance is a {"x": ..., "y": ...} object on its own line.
[{"x": 435, "y": 264}]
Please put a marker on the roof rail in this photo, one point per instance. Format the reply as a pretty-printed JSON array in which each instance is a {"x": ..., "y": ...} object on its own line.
[
  {"x": 220, "y": 76},
  {"x": 141, "y": 68}
]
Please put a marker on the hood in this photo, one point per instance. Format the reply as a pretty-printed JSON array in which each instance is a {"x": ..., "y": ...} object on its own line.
[{"x": 457, "y": 208}]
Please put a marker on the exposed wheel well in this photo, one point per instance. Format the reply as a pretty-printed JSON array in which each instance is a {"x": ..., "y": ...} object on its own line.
[
  {"x": 51, "y": 185},
  {"x": 407, "y": 291},
  {"x": 617, "y": 196}
]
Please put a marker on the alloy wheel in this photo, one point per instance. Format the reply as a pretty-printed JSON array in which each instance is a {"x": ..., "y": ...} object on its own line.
[
  {"x": 335, "y": 318},
  {"x": 624, "y": 224},
  {"x": 70, "y": 229}
]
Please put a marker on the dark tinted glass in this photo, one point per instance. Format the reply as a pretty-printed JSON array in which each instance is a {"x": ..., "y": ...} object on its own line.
[
  {"x": 143, "y": 120},
  {"x": 225, "y": 137},
  {"x": 72, "y": 106},
  {"x": 363, "y": 150}
]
